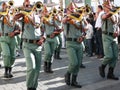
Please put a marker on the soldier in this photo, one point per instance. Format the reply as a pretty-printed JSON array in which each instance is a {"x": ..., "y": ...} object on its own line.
[
  {"x": 58, "y": 19},
  {"x": 74, "y": 50},
  {"x": 110, "y": 46},
  {"x": 7, "y": 32},
  {"x": 32, "y": 40},
  {"x": 50, "y": 43}
]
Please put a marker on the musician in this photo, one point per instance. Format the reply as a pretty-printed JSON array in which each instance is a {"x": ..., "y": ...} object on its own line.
[
  {"x": 50, "y": 43},
  {"x": 109, "y": 44},
  {"x": 74, "y": 49},
  {"x": 33, "y": 38},
  {"x": 8, "y": 30},
  {"x": 58, "y": 18}
]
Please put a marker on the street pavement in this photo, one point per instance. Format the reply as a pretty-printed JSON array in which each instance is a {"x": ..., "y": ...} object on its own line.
[{"x": 89, "y": 77}]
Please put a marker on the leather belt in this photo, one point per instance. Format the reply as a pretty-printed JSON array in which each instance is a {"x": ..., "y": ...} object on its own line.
[
  {"x": 48, "y": 36},
  {"x": 30, "y": 41},
  {"x": 5, "y": 34},
  {"x": 72, "y": 39}
]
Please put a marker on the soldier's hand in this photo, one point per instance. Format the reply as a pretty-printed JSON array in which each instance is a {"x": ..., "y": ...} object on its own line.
[
  {"x": 80, "y": 39},
  {"x": 115, "y": 35},
  {"x": 52, "y": 35},
  {"x": 41, "y": 41},
  {"x": 12, "y": 34}
]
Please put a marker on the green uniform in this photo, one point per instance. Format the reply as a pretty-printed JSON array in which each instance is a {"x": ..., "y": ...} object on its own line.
[
  {"x": 75, "y": 54},
  {"x": 59, "y": 40},
  {"x": 74, "y": 49},
  {"x": 49, "y": 46},
  {"x": 50, "y": 43},
  {"x": 32, "y": 53},
  {"x": 7, "y": 44},
  {"x": 110, "y": 50},
  {"x": 110, "y": 45}
]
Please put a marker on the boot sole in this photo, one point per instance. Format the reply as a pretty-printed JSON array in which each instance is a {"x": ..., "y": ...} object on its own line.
[{"x": 101, "y": 74}]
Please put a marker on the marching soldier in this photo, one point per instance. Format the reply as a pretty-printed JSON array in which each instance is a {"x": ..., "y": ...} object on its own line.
[
  {"x": 8, "y": 30},
  {"x": 74, "y": 39},
  {"x": 50, "y": 43},
  {"x": 33, "y": 38},
  {"x": 58, "y": 19},
  {"x": 110, "y": 46}
]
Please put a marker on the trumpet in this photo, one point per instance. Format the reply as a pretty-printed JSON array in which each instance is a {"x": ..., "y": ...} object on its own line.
[
  {"x": 11, "y": 3},
  {"x": 4, "y": 13},
  {"x": 47, "y": 17},
  {"x": 75, "y": 16},
  {"x": 38, "y": 6},
  {"x": 84, "y": 9},
  {"x": 115, "y": 10}
]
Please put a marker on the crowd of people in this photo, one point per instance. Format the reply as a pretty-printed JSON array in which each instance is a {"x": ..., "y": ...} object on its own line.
[{"x": 33, "y": 27}]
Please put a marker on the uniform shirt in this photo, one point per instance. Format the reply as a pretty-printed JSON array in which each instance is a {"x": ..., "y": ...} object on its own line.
[
  {"x": 98, "y": 23},
  {"x": 30, "y": 32},
  {"x": 89, "y": 32},
  {"x": 7, "y": 28},
  {"x": 107, "y": 26},
  {"x": 49, "y": 29},
  {"x": 73, "y": 32},
  {"x": 59, "y": 23}
]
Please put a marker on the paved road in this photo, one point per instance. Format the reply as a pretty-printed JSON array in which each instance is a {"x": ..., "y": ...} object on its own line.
[{"x": 88, "y": 77}]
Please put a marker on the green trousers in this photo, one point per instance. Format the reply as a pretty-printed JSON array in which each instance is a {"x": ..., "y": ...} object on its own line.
[
  {"x": 59, "y": 43},
  {"x": 8, "y": 50},
  {"x": 75, "y": 56},
  {"x": 18, "y": 40},
  {"x": 110, "y": 51},
  {"x": 33, "y": 56},
  {"x": 49, "y": 46}
]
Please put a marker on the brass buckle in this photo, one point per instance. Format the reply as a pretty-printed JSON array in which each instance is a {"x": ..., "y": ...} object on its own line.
[{"x": 34, "y": 41}]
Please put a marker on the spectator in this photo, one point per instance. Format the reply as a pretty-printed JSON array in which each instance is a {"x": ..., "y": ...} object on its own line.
[
  {"x": 98, "y": 25},
  {"x": 89, "y": 35}
]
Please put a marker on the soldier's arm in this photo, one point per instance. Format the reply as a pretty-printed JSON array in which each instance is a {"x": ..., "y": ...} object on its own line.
[
  {"x": 106, "y": 16},
  {"x": 18, "y": 16}
]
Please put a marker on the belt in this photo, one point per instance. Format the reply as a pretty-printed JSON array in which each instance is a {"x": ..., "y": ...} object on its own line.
[
  {"x": 5, "y": 34},
  {"x": 107, "y": 33},
  {"x": 48, "y": 36},
  {"x": 72, "y": 39},
  {"x": 30, "y": 41}
]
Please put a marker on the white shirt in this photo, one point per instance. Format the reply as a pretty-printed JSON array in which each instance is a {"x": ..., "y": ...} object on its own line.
[
  {"x": 89, "y": 32},
  {"x": 98, "y": 23}
]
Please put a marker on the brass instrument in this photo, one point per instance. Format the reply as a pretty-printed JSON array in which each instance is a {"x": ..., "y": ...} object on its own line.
[
  {"x": 11, "y": 3},
  {"x": 75, "y": 16},
  {"x": 53, "y": 13},
  {"x": 4, "y": 13},
  {"x": 47, "y": 17},
  {"x": 115, "y": 10},
  {"x": 38, "y": 6},
  {"x": 84, "y": 9}
]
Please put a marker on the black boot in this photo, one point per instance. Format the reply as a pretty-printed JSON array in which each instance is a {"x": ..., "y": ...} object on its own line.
[
  {"x": 6, "y": 72},
  {"x": 49, "y": 69},
  {"x": 111, "y": 75},
  {"x": 102, "y": 70},
  {"x": 31, "y": 88},
  {"x": 58, "y": 56},
  {"x": 55, "y": 54},
  {"x": 74, "y": 82},
  {"x": 10, "y": 72},
  {"x": 82, "y": 66},
  {"x": 45, "y": 66},
  {"x": 67, "y": 78}
]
